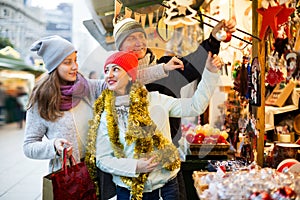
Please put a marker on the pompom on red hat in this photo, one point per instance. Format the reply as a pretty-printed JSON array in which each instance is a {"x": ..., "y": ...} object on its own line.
[{"x": 128, "y": 61}]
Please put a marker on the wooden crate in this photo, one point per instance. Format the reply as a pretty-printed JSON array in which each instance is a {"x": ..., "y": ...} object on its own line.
[
  {"x": 209, "y": 149},
  {"x": 279, "y": 95}
]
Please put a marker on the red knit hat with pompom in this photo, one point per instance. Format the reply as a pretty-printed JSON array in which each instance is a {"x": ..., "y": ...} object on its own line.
[{"x": 128, "y": 61}]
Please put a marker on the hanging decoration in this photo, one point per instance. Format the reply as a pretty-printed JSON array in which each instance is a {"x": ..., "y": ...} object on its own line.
[
  {"x": 274, "y": 15},
  {"x": 128, "y": 12},
  {"x": 249, "y": 143},
  {"x": 269, "y": 20},
  {"x": 241, "y": 78},
  {"x": 174, "y": 12},
  {"x": 283, "y": 18},
  {"x": 235, "y": 109},
  {"x": 266, "y": 3},
  {"x": 274, "y": 76},
  {"x": 254, "y": 83},
  {"x": 223, "y": 35},
  {"x": 137, "y": 17},
  {"x": 281, "y": 2},
  {"x": 118, "y": 7},
  {"x": 291, "y": 65},
  {"x": 179, "y": 11},
  {"x": 150, "y": 19},
  {"x": 280, "y": 46},
  {"x": 164, "y": 30}
]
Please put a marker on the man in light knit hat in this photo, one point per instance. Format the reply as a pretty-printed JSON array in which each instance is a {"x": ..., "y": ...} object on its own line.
[{"x": 130, "y": 36}]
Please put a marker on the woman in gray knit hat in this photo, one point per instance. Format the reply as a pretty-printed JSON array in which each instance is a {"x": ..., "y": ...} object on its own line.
[{"x": 60, "y": 104}]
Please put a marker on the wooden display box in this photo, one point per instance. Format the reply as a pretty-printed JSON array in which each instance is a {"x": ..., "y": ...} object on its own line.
[
  {"x": 279, "y": 95},
  {"x": 199, "y": 185},
  {"x": 212, "y": 150}
]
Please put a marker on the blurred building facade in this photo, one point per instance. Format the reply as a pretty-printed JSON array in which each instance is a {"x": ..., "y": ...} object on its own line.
[
  {"x": 21, "y": 24},
  {"x": 59, "y": 21}
]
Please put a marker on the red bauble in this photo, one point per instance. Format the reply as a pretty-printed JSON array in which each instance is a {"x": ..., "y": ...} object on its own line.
[
  {"x": 221, "y": 140},
  {"x": 190, "y": 137},
  {"x": 223, "y": 36},
  {"x": 199, "y": 138},
  {"x": 265, "y": 196},
  {"x": 289, "y": 192},
  {"x": 285, "y": 192},
  {"x": 228, "y": 37}
]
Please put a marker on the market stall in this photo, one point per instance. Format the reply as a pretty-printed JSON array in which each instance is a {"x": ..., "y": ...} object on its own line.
[
  {"x": 246, "y": 126},
  {"x": 275, "y": 145},
  {"x": 14, "y": 74}
]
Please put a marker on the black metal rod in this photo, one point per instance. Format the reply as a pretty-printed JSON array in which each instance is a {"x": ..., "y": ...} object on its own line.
[
  {"x": 231, "y": 34},
  {"x": 236, "y": 29},
  {"x": 201, "y": 21}
]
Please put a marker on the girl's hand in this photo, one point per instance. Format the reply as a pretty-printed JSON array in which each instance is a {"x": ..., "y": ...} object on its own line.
[
  {"x": 174, "y": 63},
  {"x": 228, "y": 26},
  {"x": 60, "y": 144},
  {"x": 145, "y": 165},
  {"x": 213, "y": 63}
]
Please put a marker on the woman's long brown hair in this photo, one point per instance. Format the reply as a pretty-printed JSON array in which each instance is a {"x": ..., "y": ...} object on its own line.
[{"x": 46, "y": 93}]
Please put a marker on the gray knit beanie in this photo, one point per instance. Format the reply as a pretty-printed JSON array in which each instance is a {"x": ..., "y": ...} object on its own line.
[
  {"x": 53, "y": 49},
  {"x": 124, "y": 28}
]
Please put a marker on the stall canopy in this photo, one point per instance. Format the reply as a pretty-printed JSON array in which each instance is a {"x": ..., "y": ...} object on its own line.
[
  {"x": 11, "y": 63},
  {"x": 101, "y": 27}
]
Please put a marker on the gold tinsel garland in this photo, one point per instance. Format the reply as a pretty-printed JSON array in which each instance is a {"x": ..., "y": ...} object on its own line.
[{"x": 141, "y": 130}]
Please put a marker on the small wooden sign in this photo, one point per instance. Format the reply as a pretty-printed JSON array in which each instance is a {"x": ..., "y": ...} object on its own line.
[{"x": 280, "y": 94}]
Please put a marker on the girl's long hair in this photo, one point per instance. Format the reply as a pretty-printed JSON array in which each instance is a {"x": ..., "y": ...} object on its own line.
[{"x": 46, "y": 93}]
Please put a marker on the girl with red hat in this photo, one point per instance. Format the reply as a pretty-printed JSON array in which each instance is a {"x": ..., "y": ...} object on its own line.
[{"x": 130, "y": 134}]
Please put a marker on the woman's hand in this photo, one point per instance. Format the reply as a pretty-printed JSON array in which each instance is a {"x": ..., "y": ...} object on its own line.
[
  {"x": 60, "y": 144},
  {"x": 228, "y": 26},
  {"x": 145, "y": 165},
  {"x": 174, "y": 63},
  {"x": 213, "y": 63}
]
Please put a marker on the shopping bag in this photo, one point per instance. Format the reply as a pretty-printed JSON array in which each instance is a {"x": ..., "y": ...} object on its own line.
[{"x": 71, "y": 182}]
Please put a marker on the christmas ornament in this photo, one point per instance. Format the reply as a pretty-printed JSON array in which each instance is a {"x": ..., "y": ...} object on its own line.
[
  {"x": 164, "y": 30},
  {"x": 274, "y": 76},
  {"x": 291, "y": 64},
  {"x": 283, "y": 17},
  {"x": 283, "y": 2},
  {"x": 241, "y": 81},
  {"x": 284, "y": 192},
  {"x": 179, "y": 11},
  {"x": 284, "y": 14},
  {"x": 234, "y": 73},
  {"x": 255, "y": 97},
  {"x": 280, "y": 46},
  {"x": 223, "y": 36},
  {"x": 269, "y": 20},
  {"x": 266, "y": 3},
  {"x": 228, "y": 37},
  {"x": 117, "y": 16},
  {"x": 286, "y": 164}
]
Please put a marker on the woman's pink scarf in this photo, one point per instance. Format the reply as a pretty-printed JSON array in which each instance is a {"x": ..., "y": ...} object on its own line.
[{"x": 72, "y": 94}]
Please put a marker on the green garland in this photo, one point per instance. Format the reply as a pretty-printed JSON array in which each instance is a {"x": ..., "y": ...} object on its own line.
[{"x": 141, "y": 131}]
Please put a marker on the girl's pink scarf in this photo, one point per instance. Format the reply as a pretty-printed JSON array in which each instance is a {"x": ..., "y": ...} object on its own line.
[{"x": 72, "y": 94}]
